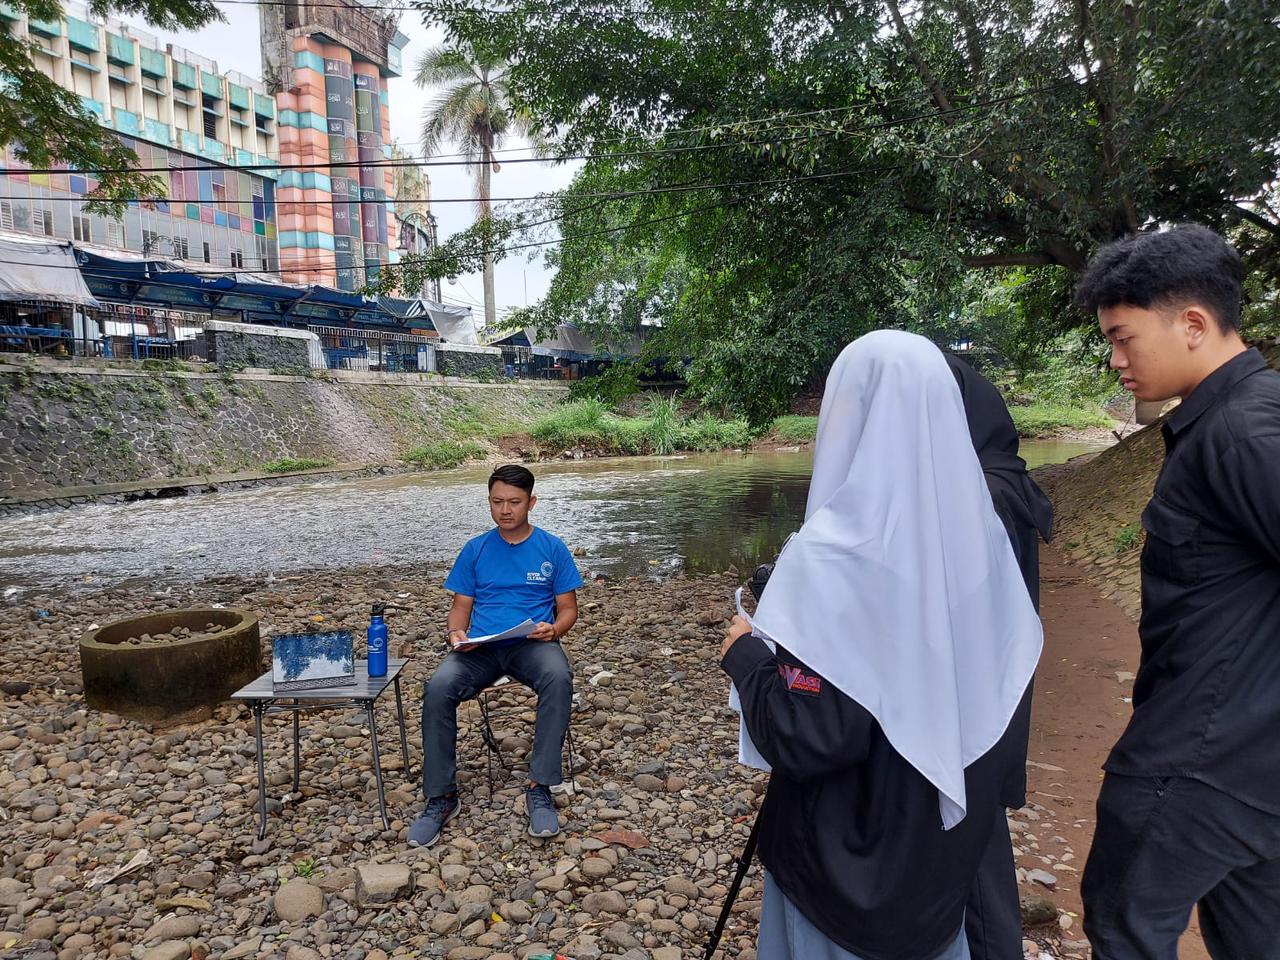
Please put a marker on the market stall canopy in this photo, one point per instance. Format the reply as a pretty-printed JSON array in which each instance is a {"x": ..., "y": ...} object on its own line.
[
  {"x": 41, "y": 270},
  {"x": 134, "y": 278},
  {"x": 455, "y": 324}
]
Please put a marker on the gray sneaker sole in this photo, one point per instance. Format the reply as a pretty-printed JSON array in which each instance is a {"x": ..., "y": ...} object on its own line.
[
  {"x": 434, "y": 840},
  {"x": 543, "y": 836}
]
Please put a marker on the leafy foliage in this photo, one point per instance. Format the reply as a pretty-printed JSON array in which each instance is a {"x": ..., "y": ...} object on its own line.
[
  {"x": 49, "y": 125},
  {"x": 768, "y": 181}
]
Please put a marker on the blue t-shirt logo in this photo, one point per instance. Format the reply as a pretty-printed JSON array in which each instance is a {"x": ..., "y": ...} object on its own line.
[{"x": 512, "y": 582}]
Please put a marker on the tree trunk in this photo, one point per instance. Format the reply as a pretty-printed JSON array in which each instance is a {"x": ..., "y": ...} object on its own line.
[{"x": 486, "y": 211}]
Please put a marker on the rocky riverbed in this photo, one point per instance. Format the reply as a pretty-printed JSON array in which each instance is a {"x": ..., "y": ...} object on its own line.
[{"x": 119, "y": 840}]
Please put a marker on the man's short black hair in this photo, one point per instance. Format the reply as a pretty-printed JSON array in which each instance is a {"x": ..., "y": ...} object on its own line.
[
  {"x": 1166, "y": 268},
  {"x": 515, "y": 475}
]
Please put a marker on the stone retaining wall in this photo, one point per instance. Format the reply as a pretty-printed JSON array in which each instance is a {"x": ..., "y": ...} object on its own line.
[
  {"x": 63, "y": 426},
  {"x": 237, "y": 345},
  {"x": 457, "y": 360}
]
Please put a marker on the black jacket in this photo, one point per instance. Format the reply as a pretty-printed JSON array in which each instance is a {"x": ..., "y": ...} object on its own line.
[{"x": 850, "y": 831}]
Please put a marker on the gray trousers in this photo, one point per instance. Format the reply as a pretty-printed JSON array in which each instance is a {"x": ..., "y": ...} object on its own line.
[
  {"x": 786, "y": 934},
  {"x": 539, "y": 665}
]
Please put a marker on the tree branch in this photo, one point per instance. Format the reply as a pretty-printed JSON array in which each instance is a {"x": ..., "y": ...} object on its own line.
[
  {"x": 1014, "y": 259},
  {"x": 935, "y": 88},
  {"x": 1257, "y": 220}
]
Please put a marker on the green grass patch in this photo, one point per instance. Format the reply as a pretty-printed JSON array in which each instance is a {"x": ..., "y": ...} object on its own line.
[
  {"x": 588, "y": 423},
  {"x": 1129, "y": 538},
  {"x": 291, "y": 464},
  {"x": 1038, "y": 419},
  {"x": 166, "y": 366},
  {"x": 795, "y": 429},
  {"x": 442, "y": 454}
]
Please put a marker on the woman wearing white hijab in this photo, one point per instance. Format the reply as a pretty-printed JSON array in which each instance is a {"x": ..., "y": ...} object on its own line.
[{"x": 905, "y": 640}]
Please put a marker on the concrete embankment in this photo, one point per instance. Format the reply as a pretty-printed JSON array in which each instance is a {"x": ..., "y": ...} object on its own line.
[{"x": 79, "y": 424}]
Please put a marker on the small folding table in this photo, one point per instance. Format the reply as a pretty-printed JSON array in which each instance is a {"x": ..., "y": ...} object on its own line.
[{"x": 264, "y": 699}]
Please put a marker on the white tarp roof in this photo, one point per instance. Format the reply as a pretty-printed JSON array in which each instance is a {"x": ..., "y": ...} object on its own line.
[
  {"x": 454, "y": 324},
  {"x": 569, "y": 339},
  {"x": 566, "y": 339},
  {"x": 35, "y": 269}
]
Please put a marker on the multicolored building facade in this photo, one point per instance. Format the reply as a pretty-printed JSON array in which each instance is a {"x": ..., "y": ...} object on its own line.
[
  {"x": 267, "y": 175},
  {"x": 330, "y": 63}
]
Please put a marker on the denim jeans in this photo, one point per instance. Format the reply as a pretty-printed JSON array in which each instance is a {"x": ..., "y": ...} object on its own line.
[{"x": 539, "y": 665}]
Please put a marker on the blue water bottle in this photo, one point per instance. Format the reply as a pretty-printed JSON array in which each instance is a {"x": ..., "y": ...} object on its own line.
[{"x": 378, "y": 641}]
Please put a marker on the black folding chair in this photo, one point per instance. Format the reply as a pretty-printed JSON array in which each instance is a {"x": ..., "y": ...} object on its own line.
[{"x": 492, "y": 709}]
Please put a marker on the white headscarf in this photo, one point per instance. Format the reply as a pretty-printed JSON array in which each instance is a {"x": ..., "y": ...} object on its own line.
[{"x": 902, "y": 588}]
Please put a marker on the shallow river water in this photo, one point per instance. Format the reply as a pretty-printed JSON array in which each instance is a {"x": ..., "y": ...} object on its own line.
[{"x": 649, "y": 517}]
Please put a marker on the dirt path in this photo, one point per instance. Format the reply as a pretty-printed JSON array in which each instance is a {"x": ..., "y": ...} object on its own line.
[{"x": 1081, "y": 707}]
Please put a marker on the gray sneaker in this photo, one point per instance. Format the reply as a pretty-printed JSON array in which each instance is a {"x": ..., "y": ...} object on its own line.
[
  {"x": 440, "y": 810},
  {"x": 541, "y": 807}
]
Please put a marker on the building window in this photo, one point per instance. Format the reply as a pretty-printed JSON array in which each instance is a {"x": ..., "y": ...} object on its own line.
[
  {"x": 149, "y": 241},
  {"x": 6, "y": 215},
  {"x": 237, "y": 259},
  {"x": 82, "y": 81},
  {"x": 211, "y": 125},
  {"x": 115, "y": 233},
  {"x": 181, "y": 249},
  {"x": 43, "y": 60},
  {"x": 81, "y": 229},
  {"x": 206, "y": 251},
  {"x": 42, "y": 221}
]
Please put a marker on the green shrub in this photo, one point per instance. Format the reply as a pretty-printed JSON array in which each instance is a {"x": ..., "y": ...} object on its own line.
[
  {"x": 292, "y": 464},
  {"x": 706, "y": 433},
  {"x": 441, "y": 454},
  {"x": 1039, "y": 418},
  {"x": 612, "y": 385},
  {"x": 573, "y": 424},
  {"x": 662, "y": 425},
  {"x": 588, "y": 423},
  {"x": 794, "y": 429}
]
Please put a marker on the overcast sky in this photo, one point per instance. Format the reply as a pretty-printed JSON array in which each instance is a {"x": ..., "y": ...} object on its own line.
[{"x": 225, "y": 44}]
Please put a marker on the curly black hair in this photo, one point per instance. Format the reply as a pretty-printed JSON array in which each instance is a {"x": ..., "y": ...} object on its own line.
[{"x": 1164, "y": 268}]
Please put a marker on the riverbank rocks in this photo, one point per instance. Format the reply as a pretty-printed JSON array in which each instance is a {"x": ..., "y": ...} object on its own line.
[
  {"x": 172, "y": 928},
  {"x": 650, "y": 835},
  {"x": 298, "y": 900},
  {"x": 382, "y": 882}
]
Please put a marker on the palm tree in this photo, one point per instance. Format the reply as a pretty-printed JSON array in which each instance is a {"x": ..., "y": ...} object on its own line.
[{"x": 475, "y": 112}]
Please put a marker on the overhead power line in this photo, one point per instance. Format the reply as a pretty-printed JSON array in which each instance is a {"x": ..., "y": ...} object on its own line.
[
  {"x": 417, "y": 162},
  {"x": 328, "y": 268}
]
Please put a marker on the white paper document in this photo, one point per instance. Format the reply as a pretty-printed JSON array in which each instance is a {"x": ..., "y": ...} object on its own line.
[
  {"x": 748, "y": 755},
  {"x": 519, "y": 630}
]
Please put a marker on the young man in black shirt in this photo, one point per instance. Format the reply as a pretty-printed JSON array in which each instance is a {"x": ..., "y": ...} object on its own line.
[{"x": 1189, "y": 811}]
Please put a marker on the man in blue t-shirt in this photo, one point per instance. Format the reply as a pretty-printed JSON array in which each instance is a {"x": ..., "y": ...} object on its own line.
[{"x": 513, "y": 573}]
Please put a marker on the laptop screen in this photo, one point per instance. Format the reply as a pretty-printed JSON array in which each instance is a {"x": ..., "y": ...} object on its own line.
[{"x": 312, "y": 658}]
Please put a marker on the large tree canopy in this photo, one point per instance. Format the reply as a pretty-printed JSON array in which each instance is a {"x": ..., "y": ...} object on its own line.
[
  {"x": 48, "y": 124},
  {"x": 770, "y": 179}
]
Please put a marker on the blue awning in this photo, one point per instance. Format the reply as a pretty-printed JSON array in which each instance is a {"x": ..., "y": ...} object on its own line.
[{"x": 127, "y": 277}]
